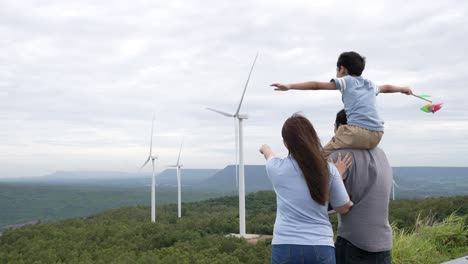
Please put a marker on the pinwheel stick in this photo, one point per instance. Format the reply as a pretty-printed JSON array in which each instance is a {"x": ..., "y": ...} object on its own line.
[{"x": 422, "y": 98}]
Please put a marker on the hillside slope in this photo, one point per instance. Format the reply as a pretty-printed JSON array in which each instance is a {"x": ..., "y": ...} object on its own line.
[{"x": 126, "y": 235}]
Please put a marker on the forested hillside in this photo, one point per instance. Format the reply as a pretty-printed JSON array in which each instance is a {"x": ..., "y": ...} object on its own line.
[
  {"x": 20, "y": 203},
  {"x": 126, "y": 235}
]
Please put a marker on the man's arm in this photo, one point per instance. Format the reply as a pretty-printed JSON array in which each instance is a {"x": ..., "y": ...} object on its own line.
[
  {"x": 305, "y": 86},
  {"x": 387, "y": 88}
]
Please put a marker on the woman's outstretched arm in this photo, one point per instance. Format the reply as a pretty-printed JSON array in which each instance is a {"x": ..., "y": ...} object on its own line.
[{"x": 266, "y": 151}]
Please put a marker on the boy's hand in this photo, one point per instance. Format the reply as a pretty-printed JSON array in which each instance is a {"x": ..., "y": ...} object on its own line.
[
  {"x": 406, "y": 90},
  {"x": 281, "y": 87}
]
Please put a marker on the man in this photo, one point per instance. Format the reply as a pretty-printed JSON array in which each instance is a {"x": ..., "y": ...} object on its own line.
[{"x": 364, "y": 234}]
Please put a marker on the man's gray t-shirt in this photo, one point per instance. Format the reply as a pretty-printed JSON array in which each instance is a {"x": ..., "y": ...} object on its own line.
[{"x": 368, "y": 182}]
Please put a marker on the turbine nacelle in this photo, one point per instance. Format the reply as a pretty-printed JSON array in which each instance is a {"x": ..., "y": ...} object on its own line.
[
  {"x": 238, "y": 116},
  {"x": 153, "y": 158},
  {"x": 243, "y": 116}
]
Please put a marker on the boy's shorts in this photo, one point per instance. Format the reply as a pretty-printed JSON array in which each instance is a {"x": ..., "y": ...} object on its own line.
[{"x": 353, "y": 137}]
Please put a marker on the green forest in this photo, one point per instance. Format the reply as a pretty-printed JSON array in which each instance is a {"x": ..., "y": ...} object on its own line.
[
  {"x": 425, "y": 231},
  {"x": 20, "y": 203}
]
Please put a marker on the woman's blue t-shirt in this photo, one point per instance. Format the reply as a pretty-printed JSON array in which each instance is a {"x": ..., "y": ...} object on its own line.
[{"x": 299, "y": 219}]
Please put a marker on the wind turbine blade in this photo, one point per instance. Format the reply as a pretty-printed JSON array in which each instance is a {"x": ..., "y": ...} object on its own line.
[
  {"x": 146, "y": 162},
  {"x": 220, "y": 112},
  {"x": 151, "y": 141},
  {"x": 180, "y": 150},
  {"x": 236, "y": 132},
  {"x": 246, "y": 84}
]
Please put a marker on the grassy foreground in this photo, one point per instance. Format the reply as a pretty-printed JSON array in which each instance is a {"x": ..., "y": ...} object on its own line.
[{"x": 431, "y": 242}]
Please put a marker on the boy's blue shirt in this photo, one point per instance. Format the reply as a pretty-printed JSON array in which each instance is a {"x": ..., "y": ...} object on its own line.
[{"x": 359, "y": 99}]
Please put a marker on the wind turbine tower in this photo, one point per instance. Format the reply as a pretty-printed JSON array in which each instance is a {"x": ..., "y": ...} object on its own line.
[
  {"x": 153, "y": 182},
  {"x": 238, "y": 119},
  {"x": 178, "y": 167},
  {"x": 394, "y": 184}
]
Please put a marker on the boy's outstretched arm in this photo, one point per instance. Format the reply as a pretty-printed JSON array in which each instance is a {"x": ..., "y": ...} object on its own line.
[
  {"x": 305, "y": 86},
  {"x": 387, "y": 88}
]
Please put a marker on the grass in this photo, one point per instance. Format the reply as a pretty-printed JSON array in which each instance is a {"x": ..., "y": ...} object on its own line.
[{"x": 431, "y": 242}]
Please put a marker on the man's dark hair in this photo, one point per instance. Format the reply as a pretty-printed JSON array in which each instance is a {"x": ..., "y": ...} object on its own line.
[
  {"x": 353, "y": 62},
  {"x": 341, "y": 118}
]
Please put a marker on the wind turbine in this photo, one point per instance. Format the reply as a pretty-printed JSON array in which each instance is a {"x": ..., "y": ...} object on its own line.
[
  {"x": 153, "y": 182},
  {"x": 394, "y": 184},
  {"x": 178, "y": 167},
  {"x": 238, "y": 118}
]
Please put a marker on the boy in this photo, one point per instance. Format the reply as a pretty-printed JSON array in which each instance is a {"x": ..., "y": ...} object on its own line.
[{"x": 365, "y": 128}]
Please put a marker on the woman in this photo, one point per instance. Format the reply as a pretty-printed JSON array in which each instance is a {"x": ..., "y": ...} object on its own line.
[{"x": 304, "y": 184}]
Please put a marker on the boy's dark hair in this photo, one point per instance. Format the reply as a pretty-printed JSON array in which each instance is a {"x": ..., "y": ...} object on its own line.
[
  {"x": 353, "y": 62},
  {"x": 341, "y": 118}
]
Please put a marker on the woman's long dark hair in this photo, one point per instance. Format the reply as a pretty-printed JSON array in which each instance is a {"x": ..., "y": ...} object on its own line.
[{"x": 304, "y": 146}]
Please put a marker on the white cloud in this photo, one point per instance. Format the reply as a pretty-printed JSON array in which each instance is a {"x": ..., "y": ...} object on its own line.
[{"x": 79, "y": 80}]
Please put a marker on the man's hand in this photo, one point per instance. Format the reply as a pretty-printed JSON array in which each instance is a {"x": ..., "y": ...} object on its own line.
[
  {"x": 342, "y": 164},
  {"x": 281, "y": 87}
]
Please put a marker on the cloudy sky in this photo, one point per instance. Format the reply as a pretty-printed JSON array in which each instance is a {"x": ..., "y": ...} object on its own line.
[{"x": 80, "y": 80}]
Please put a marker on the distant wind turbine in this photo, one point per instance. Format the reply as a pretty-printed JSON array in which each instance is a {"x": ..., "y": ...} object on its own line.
[
  {"x": 394, "y": 184},
  {"x": 238, "y": 118},
  {"x": 153, "y": 183},
  {"x": 178, "y": 167}
]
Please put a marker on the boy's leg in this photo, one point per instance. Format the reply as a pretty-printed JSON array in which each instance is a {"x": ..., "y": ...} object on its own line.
[
  {"x": 342, "y": 139},
  {"x": 353, "y": 137},
  {"x": 364, "y": 138}
]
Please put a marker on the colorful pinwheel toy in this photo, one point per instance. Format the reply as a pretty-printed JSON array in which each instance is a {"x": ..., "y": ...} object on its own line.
[{"x": 429, "y": 108}]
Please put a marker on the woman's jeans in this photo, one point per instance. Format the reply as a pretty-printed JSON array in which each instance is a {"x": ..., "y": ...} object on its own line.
[{"x": 302, "y": 254}]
